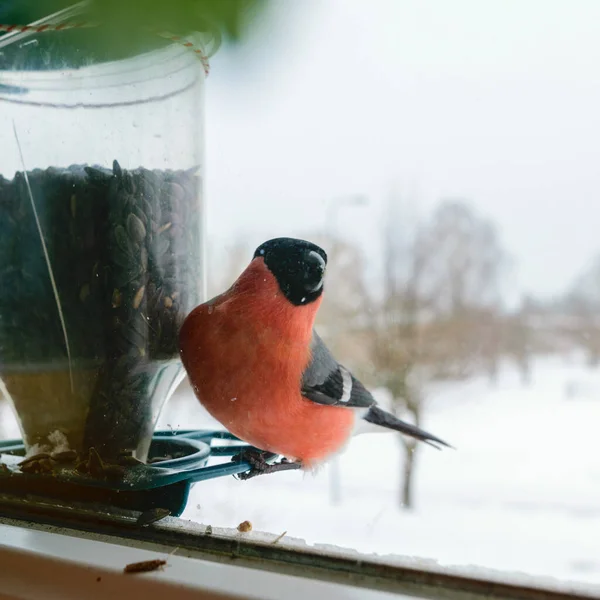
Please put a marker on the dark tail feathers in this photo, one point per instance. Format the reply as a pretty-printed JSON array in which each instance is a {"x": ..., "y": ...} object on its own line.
[{"x": 377, "y": 416}]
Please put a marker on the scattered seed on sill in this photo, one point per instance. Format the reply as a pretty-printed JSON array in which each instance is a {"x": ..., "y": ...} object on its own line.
[
  {"x": 279, "y": 537},
  {"x": 145, "y": 566},
  {"x": 245, "y": 527}
]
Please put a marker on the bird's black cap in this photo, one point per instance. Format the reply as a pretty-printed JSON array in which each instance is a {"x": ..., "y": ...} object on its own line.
[{"x": 298, "y": 265}]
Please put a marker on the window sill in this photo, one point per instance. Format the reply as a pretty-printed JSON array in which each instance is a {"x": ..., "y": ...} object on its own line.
[
  {"x": 40, "y": 565},
  {"x": 71, "y": 555}
]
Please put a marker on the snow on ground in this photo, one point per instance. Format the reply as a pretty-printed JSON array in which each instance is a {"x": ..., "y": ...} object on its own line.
[{"x": 521, "y": 492}]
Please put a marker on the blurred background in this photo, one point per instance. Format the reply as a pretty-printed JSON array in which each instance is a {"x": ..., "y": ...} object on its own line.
[{"x": 445, "y": 154}]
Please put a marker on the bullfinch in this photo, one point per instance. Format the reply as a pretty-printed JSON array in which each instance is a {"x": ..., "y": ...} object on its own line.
[{"x": 258, "y": 366}]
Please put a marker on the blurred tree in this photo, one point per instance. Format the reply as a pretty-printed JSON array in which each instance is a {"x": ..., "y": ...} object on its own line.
[
  {"x": 582, "y": 305},
  {"x": 436, "y": 315},
  {"x": 463, "y": 284},
  {"x": 520, "y": 337},
  {"x": 468, "y": 256},
  {"x": 397, "y": 325}
]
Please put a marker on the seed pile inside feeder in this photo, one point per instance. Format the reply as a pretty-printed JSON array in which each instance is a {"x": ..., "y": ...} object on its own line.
[{"x": 125, "y": 251}]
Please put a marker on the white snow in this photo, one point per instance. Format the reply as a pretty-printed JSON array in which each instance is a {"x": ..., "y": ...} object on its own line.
[{"x": 520, "y": 493}]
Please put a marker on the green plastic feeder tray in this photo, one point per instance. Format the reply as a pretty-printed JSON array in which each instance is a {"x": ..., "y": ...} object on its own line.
[{"x": 164, "y": 484}]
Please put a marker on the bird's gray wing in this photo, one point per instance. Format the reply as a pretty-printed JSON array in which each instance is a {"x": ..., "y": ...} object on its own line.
[{"x": 325, "y": 381}]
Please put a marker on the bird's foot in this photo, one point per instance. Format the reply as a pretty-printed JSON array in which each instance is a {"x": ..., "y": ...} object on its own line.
[{"x": 260, "y": 465}]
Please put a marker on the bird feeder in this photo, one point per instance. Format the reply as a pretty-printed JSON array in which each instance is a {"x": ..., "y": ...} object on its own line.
[{"x": 101, "y": 241}]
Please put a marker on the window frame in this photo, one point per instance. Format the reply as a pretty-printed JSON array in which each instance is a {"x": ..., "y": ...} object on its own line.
[{"x": 291, "y": 558}]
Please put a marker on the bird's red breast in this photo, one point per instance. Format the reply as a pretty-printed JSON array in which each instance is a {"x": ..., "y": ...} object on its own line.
[{"x": 245, "y": 352}]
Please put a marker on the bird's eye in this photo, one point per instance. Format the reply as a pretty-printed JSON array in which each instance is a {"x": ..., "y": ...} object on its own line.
[
  {"x": 315, "y": 260},
  {"x": 314, "y": 271}
]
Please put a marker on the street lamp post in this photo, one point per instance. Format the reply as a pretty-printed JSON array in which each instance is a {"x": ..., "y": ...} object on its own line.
[{"x": 333, "y": 208}]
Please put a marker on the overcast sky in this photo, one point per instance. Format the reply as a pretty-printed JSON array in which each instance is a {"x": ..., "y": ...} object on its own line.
[{"x": 496, "y": 101}]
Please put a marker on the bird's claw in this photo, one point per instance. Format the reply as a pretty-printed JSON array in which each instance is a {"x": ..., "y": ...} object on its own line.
[
  {"x": 260, "y": 465},
  {"x": 258, "y": 459}
]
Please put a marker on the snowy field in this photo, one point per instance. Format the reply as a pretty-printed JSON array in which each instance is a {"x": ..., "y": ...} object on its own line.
[{"x": 521, "y": 492}]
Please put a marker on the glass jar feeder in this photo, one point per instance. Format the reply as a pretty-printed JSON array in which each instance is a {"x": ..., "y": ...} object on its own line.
[{"x": 102, "y": 244}]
